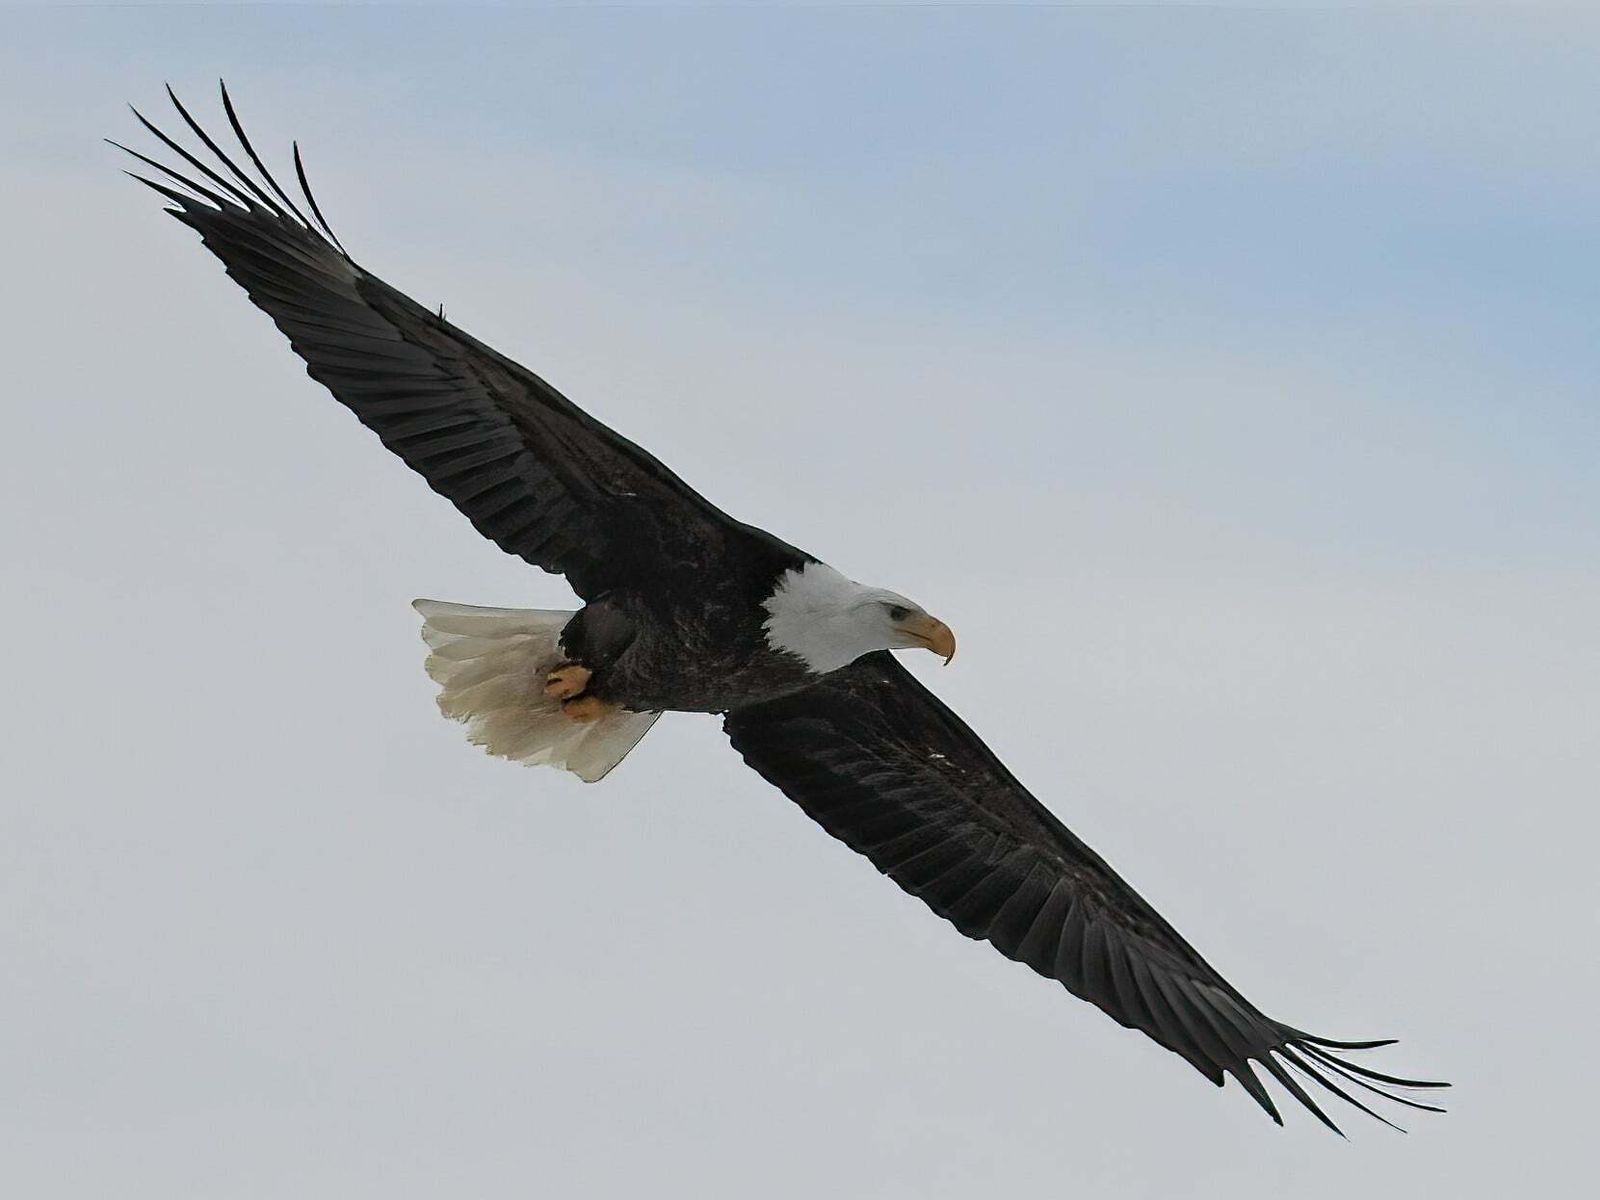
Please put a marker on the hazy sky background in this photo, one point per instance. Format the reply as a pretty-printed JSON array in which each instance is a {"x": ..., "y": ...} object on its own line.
[{"x": 1225, "y": 378}]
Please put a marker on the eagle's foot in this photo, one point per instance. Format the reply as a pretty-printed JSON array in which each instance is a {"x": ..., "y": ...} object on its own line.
[
  {"x": 585, "y": 709},
  {"x": 567, "y": 682}
]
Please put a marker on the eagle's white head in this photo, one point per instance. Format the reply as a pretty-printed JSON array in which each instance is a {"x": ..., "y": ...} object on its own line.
[{"x": 828, "y": 621}]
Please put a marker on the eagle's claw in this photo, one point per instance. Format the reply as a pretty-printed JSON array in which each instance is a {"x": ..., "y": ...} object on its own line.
[
  {"x": 567, "y": 682},
  {"x": 586, "y": 708}
]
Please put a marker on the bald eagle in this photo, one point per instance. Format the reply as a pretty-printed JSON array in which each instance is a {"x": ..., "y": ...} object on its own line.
[{"x": 686, "y": 609}]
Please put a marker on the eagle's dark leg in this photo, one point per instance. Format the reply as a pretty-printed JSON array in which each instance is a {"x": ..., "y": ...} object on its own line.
[
  {"x": 594, "y": 639},
  {"x": 597, "y": 634}
]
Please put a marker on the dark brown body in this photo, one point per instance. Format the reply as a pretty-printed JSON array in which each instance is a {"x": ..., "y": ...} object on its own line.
[{"x": 710, "y": 656}]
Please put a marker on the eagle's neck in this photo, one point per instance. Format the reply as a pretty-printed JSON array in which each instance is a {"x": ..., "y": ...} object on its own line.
[{"x": 814, "y": 614}]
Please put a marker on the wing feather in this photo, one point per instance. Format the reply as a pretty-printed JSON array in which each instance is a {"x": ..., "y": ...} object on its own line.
[
  {"x": 532, "y": 472},
  {"x": 882, "y": 765}
]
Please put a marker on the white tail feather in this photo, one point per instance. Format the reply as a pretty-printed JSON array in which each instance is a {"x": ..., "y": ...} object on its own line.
[{"x": 490, "y": 665}]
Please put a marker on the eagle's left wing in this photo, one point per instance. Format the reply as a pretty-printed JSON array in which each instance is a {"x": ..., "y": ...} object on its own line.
[
  {"x": 532, "y": 471},
  {"x": 881, "y": 764}
]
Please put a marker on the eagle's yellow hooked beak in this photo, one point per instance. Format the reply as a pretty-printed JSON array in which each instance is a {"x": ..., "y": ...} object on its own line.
[{"x": 932, "y": 633}]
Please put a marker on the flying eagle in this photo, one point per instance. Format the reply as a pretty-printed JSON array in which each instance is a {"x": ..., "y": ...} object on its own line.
[{"x": 687, "y": 609}]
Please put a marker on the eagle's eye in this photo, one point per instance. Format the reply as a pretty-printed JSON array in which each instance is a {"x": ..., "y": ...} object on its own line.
[{"x": 898, "y": 612}]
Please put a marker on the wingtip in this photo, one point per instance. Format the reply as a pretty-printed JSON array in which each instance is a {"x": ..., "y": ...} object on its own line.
[
  {"x": 1336, "y": 1044},
  {"x": 1311, "y": 1057},
  {"x": 311, "y": 199},
  {"x": 1333, "y": 1060}
]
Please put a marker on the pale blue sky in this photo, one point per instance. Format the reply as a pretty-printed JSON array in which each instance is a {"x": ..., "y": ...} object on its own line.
[
  {"x": 1225, "y": 377},
  {"x": 1406, "y": 199}
]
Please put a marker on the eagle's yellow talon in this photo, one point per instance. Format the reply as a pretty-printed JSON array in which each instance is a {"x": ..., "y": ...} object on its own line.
[{"x": 566, "y": 682}]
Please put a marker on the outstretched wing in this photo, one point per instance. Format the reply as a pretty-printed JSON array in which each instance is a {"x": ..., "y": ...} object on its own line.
[
  {"x": 876, "y": 760},
  {"x": 533, "y": 472}
]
